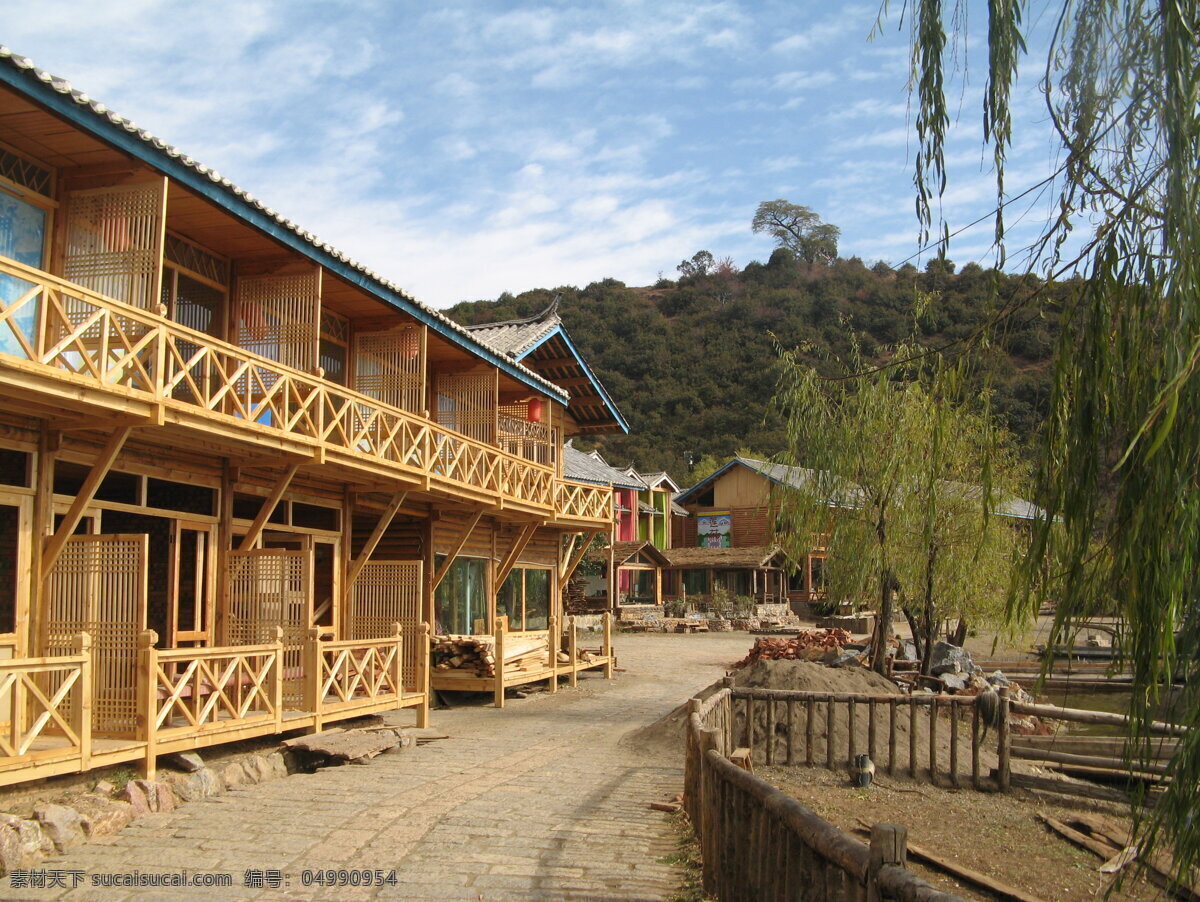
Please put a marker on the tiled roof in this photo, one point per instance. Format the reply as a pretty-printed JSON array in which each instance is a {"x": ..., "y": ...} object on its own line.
[
  {"x": 173, "y": 154},
  {"x": 583, "y": 466},
  {"x": 514, "y": 336},
  {"x": 679, "y": 511},
  {"x": 750, "y": 557},
  {"x": 625, "y": 551}
]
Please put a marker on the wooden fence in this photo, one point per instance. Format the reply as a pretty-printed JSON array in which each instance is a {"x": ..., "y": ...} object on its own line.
[
  {"x": 759, "y": 844},
  {"x": 903, "y": 732}
]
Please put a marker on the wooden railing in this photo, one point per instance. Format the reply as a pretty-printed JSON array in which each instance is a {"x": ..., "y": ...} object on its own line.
[
  {"x": 360, "y": 676},
  {"x": 187, "y": 693},
  {"x": 580, "y": 501},
  {"x": 46, "y": 705},
  {"x": 530, "y": 441},
  {"x": 124, "y": 349},
  {"x": 760, "y": 844}
]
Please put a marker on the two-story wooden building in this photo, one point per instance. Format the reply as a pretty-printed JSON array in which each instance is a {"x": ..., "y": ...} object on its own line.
[{"x": 233, "y": 460}]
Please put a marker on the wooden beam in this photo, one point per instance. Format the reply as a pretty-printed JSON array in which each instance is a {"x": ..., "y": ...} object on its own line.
[
  {"x": 458, "y": 546},
  {"x": 268, "y": 508},
  {"x": 373, "y": 539},
  {"x": 577, "y": 557},
  {"x": 85, "y": 495},
  {"x": 510, "y": 559}
]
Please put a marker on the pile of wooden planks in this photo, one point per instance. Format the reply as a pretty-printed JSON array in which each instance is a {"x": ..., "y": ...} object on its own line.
[{"x": 477, "y": 654}]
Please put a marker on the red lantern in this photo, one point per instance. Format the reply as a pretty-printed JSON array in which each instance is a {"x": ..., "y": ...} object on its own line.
[{"x": 535, "y": 410}]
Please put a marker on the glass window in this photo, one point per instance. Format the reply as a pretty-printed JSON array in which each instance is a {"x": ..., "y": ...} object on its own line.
[
  {"x": 643, "y": 587},
  {"x": 537, "y": 599},
  {"x": 695, "y": 582},
  {"x": 508, "y": 600},
  {"x": 22, "y": 238},
  {"x": 460, "y": 603}
]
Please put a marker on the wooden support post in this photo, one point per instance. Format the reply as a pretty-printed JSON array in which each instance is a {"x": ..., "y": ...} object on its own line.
[
  {"x": 769, "y": 754},
  {"x": 82, "y": 719},
  {"x": 268, "y": 508},
  {"x": 514, "y": 553},
  {"x": 397, "y": 673},
  {"x": 609, "y": 663},
  {"x": 810, "y": 712},
  {"x": 501, "y": 628},
  {"x": 573, "y": 650},
  {"x": 552, "y": 641},
  {"x": 791, "y": 732},
  {"x": 933, "y": 747},
  {"x": 87, "y": 492},
  {"x": 277, "y": 679},
  {"x": 423, "y": 675},
  {"x": 147, "y": 695},
  {"x": 1003, "y": 743},
  {"x": 572, "y": 563},
  {"x": 829, "y": 724},
  {"x": 871, "y": 730},
  {"x": 312, "y": 675},
  {"x": 851, "y": 738},
  {"x": 459, "y": 544},
  {"x": 377, "y": 533},
  {"x": 912, "y": 737},
  {"x": 975, "y": 782},
  {"x": 889, "y": 846}
]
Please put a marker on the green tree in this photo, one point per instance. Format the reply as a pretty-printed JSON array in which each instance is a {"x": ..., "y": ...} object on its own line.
[
  {"x": 891, "y": 458},
  {"x": 798, "y": 229},
  {"x": 1121, "y": 458}
]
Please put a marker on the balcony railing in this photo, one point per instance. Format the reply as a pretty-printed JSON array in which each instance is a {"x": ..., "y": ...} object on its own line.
[
  {"x": 580, "y": 501},
  {"x": 114, "y": 346}
]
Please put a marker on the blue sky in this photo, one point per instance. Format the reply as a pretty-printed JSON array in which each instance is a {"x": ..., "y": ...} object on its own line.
[{"x": 468, "y": 148}]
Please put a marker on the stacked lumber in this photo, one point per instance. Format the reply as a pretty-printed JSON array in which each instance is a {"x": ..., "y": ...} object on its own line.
[
  {"x": 808, "y": 645},
  {"x": 477, "y": 654}
]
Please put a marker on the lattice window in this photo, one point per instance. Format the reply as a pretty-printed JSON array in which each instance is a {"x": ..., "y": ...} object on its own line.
[
  {"x": 98, "y": 585},
  {"x": 384, "y": 593},
  {"x": 114, "y": 241},
  {"x": 467, "y": 403},
  {"x": 271, "y": 588},
  {"x": 190, "y": 256},
  {"x": 388, "y": 367},
  {"x": 518, "y": 435},
  {"x": 27, "y": 173},
  {"x": 278, "y": 316}
]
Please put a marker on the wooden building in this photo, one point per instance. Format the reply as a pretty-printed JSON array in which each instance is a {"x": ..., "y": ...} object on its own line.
[{"x": 242, "y": 477}]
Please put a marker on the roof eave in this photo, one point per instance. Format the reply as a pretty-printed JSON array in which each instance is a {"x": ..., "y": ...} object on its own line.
[{"x": 587, "y": 371}]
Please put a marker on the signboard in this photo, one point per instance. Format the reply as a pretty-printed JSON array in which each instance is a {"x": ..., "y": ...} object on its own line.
[{"x": 713, "y": 529}]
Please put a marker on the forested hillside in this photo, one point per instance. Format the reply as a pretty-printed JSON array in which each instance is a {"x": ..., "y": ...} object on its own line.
[{"x": 692, "y": 363}]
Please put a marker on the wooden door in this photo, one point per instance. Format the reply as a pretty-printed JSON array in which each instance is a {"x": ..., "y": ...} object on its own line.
[
  {"x": 99, "y": 585},
  {"x": 387, "y": 592},
  {"x": 269, "y": 588},
  {"x": 190, "y": 584}
]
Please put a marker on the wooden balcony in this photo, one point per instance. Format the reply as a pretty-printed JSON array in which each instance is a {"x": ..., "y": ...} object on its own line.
[
  {"x": 65, "y": 348},
  {"x": 584, "y": 505}
]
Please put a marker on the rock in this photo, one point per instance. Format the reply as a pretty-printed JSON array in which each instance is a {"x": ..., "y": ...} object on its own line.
[
  {"x": 102, "y": 816},
  {"x": 104, "y": 788},
  {"x": 280, "y": 766},
  {"x": 238, "y": 773},
  {"x": 953, "y": 682},
  {"x": 188, "y": 762},
  {"x": 62, "y": 825},
  {"x": 22, "y": 843},
  {"x": 998, "y": 679},
  {"x": 199, "y": 785},
  {"x": 136, "y": 797},
  {"x": 908, "y": 651},
  {"x": 949, "y": 658},
  {"x": 261, "y": 765},
  {"x": 843, "y": 659},
  {"x": 164, "y": 796}
]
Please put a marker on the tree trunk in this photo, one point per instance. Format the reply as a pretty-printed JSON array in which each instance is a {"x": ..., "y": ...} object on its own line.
[
  {"x": 960, "y": 633},
  {"x": 914, "y": 626},
  {"x": 883, "y": 625},
  {"x": 929, "y": 627}
]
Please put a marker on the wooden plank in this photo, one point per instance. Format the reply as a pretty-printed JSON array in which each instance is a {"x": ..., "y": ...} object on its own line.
[
  {"x": 459, "y": 544},
  {"x": 103, "y": 463},
  {"x": 268, "y": 507},
  {"x": 373, "y": 539}
]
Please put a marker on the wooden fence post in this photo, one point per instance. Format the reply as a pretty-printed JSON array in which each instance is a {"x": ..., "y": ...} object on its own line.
[
  {"x": 277, "y": 680},
  {"x": 889, "y": 846},
  {"x": 553, "y": 643},
  {"x": 83, "y": 708},
  {"x": 498, "y": 691},
  {"x": 398, "y": 663},
  {"x": 147, "y": 692},
  {"x": 312, "y": 676},
  {"x": 423, "y": 675},
  {"x": 1002, "y": 742},
  {"x": 573, "y": 650},
  {"x": 608, "y": 647}
]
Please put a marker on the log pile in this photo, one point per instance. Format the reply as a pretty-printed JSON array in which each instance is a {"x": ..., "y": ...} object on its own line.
[
  {"x": 477, "y": 654},
  {"x": 808, "y": 645}
]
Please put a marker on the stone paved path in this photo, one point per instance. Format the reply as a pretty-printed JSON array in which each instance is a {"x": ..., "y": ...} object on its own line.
[{"x": 542, "y": 800}]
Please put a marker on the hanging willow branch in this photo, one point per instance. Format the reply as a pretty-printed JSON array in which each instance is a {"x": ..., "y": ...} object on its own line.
[{"x": 1120, "y": 473}]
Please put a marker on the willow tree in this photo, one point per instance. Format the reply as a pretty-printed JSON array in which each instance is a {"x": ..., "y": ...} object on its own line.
[
  {"x": 889, "y": 465},
  {"x": 1120, "y": 477}
]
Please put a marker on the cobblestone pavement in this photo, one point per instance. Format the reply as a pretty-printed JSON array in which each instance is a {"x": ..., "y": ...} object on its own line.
[{"x": 542, "y": 800}]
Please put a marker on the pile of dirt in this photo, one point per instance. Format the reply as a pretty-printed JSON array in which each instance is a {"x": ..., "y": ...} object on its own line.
[{"x": 807, "y": 676}]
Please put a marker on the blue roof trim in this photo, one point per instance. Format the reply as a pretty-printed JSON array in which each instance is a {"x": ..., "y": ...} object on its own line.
[
  {"x": 65, "y": 105},
  {"x": 587, "y": 370}
]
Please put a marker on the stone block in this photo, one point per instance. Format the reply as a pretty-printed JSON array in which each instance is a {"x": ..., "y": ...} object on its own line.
[
  {"x": 22, "y": 843},
  {"x": 236, "y": 773},
  {"x": 135, "y": 795},
  {"x": 102, "y": 816},
  {"x": 192, "y": 787},
  {"x": 189, "y": 762},
  {"x": 62, "y": 825}
]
